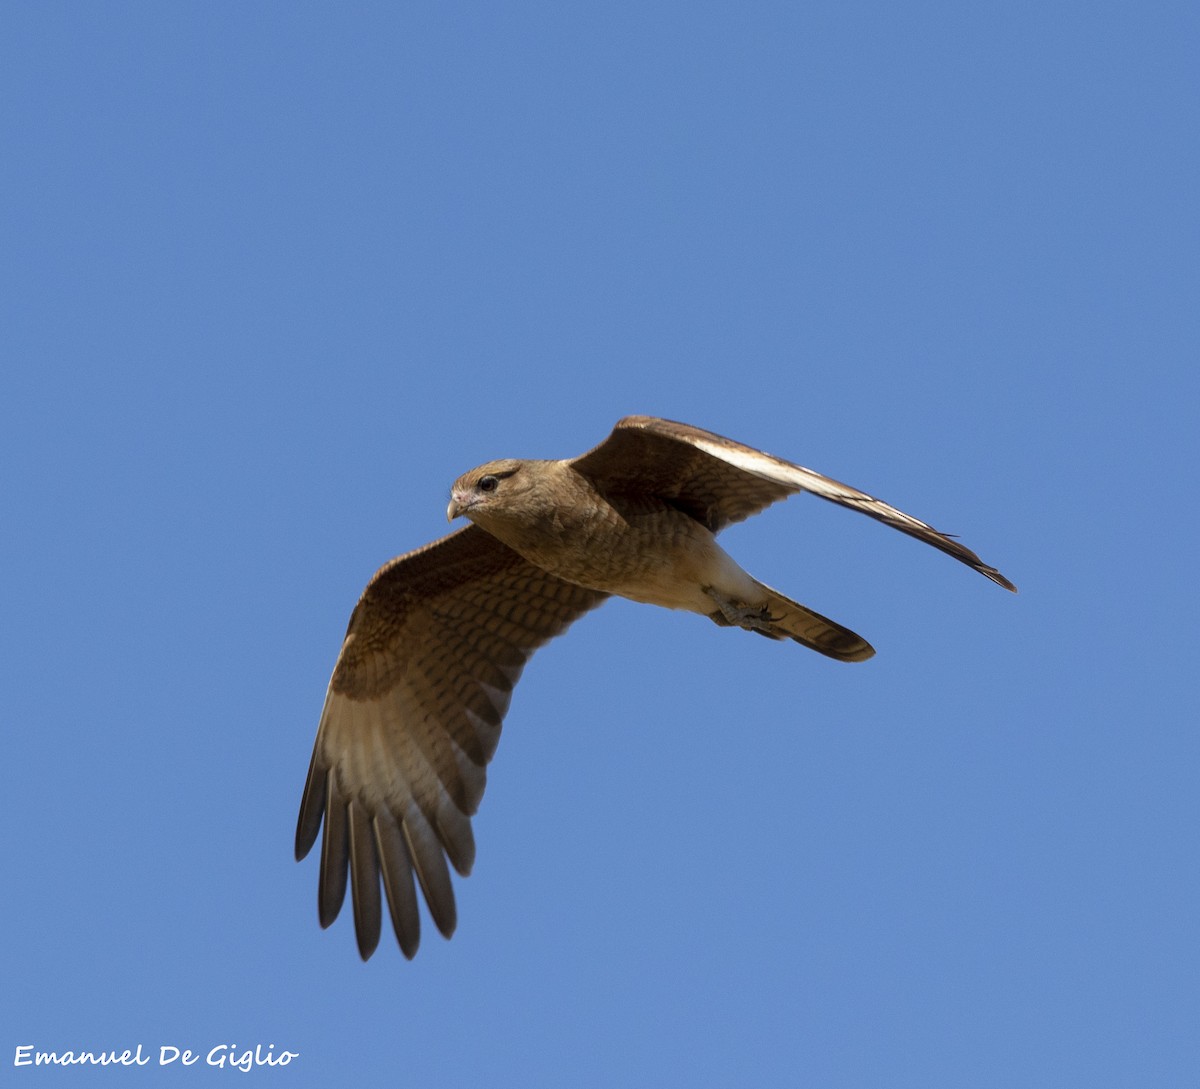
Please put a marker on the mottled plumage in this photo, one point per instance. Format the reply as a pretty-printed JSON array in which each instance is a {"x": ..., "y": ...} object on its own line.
[{"x": 440, "y": 636}]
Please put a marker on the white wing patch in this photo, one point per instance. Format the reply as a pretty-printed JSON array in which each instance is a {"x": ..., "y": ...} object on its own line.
[
  {"x": 801, "y": 479},
  {"x": 798, "y": 478}
]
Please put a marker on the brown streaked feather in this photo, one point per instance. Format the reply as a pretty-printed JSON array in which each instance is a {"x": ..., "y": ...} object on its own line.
[
  {"x": 312, "y": 807},
  {"x": 718, "y": 481},
  {"x": 646, "y": 456},
  {"x": 396, "y": 869},
  {"x": 411, "y": 719},
  {"x": 331, "y": 890},
  {"x": 364, "y": 871}
]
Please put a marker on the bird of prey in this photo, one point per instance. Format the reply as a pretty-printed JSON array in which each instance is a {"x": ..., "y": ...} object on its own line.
[{"x": 440, "y": 635}]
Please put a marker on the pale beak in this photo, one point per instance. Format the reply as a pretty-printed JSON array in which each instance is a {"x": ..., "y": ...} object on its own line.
[{"x": 458, "y": 504}]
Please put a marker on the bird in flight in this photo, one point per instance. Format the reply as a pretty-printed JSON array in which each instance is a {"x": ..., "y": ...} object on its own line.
[{"x": 440, "y": 636}]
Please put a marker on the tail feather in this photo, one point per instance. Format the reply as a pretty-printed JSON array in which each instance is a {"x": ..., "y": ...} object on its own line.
[{"x": 787, "y": 619}]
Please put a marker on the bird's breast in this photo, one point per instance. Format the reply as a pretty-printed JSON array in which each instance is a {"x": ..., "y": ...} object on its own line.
[{"x": 639, "y": 549}]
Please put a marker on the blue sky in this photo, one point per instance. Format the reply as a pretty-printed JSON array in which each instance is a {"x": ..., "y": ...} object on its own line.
[{"x": 275, "y": 274}]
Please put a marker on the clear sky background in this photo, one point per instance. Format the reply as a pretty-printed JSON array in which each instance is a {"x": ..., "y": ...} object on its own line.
[{"x": 274, "y": 274}]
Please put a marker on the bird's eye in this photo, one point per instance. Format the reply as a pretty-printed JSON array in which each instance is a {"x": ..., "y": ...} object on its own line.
[{"x": 488, "y": 484}]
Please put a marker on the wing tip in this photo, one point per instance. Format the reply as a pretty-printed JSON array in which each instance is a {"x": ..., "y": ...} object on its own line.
[
  {"x": 367, "y": 946},
  {"x": 997, "y": 578},
  {"x": 860, "y": 651}
]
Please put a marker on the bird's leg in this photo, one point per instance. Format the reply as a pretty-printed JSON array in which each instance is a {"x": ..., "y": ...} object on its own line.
[{"x": 738, "y": 614}]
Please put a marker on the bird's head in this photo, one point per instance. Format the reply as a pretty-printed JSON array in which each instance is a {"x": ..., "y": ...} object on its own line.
[{"x": 485, "y": 489}]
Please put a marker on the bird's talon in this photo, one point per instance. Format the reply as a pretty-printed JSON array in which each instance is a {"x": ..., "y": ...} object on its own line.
[{"x": 741, "y": 615}]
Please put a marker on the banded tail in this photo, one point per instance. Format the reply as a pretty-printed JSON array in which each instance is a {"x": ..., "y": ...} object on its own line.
[{"x": 780, "y": 617}]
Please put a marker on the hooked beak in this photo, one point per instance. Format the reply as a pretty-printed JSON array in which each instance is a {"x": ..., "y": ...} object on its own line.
[{"x": 458, "y": 504}]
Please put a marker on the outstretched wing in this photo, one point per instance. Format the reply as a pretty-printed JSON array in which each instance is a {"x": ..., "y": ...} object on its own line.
[
  {"x": 411, "y": 719},
  {"x": 718, "y": 481}
]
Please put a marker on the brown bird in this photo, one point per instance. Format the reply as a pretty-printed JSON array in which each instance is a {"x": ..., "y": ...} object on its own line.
[{"x": 440, "y": 636}]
